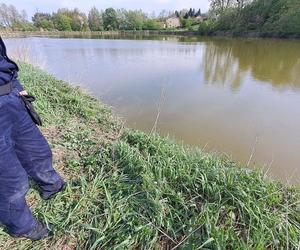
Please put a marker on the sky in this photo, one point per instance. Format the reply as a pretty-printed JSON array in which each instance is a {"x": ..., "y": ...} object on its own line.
[{"x": 85, "y": 5}]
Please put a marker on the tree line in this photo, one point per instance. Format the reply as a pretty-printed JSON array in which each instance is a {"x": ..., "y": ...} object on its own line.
[
  {"x": 65, "y": 19},
  {"x": 270, "y": 18},
  {"x": 75, "y": 20},
  {"x": 279, "y": 18},
  {"x": 96, "y": 20}
]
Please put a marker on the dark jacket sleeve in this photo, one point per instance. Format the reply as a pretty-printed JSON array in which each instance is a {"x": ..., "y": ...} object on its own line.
[{"x": 8, "y": 68}]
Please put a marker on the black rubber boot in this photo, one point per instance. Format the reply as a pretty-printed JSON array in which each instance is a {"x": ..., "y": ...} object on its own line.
[
  {"x": 40, "y": 231},
  {"x": 49, "y": 195}
]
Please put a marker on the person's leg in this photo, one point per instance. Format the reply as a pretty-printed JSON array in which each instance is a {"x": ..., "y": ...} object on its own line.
[
  {"x": 35, "y": 156},
  {"x": 14, "y": 212}
]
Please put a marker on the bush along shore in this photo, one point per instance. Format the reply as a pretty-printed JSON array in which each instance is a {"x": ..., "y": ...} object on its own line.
[{"x": 131, "y": 190}]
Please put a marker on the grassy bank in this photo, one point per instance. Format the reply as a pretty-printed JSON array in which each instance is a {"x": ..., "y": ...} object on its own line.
[{"x": 130, "y": 190}]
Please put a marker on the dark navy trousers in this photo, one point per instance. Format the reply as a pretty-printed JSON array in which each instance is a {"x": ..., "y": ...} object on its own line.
[{"x": 23, "y": 152}]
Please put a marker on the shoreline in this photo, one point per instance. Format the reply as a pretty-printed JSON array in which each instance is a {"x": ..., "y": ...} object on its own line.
[
  {"x": 135, "y": 190},
  {"x": 95, "y": 34}
]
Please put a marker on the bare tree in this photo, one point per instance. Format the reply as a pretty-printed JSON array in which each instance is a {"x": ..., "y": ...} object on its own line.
[
  {"x": 4, "y": 16},
  {"x": 24, "y": 16},
  {"x": 242, "y": 3},
  {"x": 10, "y": 15},
  {"x": 95, "y": 20},
  {"x": 164, "y": 14},
  {"x": 219, "y": 6}
]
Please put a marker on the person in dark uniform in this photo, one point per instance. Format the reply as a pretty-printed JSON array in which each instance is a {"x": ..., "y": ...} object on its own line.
[{"x": 24, "y": 152}]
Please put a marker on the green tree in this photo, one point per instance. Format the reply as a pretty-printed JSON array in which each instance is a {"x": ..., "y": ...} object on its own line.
[
  {"x": 43, "y": 20},
  {"x": 78, "y": 20},
  {"x": 151, "y": 24},
  {"x": 63, "y": 22},
  {"x": 95, "y": 20},
  {"x": 187, "y": 23},
  {"x": 134, "y": 20},
  {"x": 206, "y": 28},
  {"x": 280, "y": 18},
  {"x": 191, "y": 13},
  {"x": 110, "y": 20},
  {"x": 46, "y": 24},
  {"x": 198, "y": 13}
]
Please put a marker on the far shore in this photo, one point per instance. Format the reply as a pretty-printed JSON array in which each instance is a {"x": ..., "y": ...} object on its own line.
[
  {"x": 92, "y": 34},
  {"x": 11, "y": 34}
]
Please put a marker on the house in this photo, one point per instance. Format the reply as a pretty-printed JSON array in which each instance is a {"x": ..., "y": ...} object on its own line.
[
  {"x": 173, "y": 22},
  {"x": 199, "y": 19}
]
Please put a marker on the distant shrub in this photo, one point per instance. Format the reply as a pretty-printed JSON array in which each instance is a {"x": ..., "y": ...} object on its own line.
[
  {"x": 187, "y": 23},
  {"x": 206, "y": 28},
  {"x": 227, "y": 20},
  {"x": 150, "y": 24},
  {"x": 23, "y": 26}
]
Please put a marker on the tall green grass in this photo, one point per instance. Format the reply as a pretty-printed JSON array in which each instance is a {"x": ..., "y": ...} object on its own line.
[{"x": 130, "y": 190}]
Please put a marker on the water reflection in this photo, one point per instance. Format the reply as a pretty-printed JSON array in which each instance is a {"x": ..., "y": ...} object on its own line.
[{"x": 228, "y": 62}]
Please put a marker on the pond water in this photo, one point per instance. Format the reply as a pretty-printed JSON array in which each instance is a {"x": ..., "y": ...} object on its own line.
[{"x": 240, "y": 97}]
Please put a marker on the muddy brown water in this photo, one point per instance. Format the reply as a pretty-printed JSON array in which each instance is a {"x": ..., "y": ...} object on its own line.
[{"x": 240, "y": 97}]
